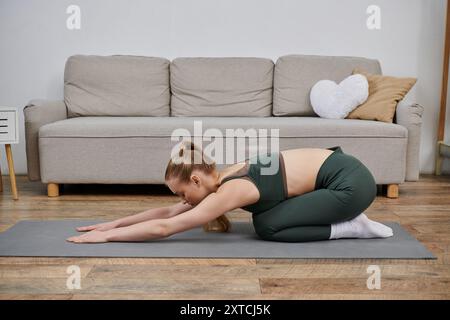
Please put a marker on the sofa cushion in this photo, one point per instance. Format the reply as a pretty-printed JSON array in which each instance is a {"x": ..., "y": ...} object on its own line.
[
  {"x": 221, "y": 87},
  {"x": 98, "y": 149},
  {"x": 117, "y": 85},
  {"x": 108, "y": 160},
  {"x": 336, "y": 100},
  {"x": 384, "y": 94},
  {"x": 165, "y": 126},
  {"x": 295, "y": 75}
]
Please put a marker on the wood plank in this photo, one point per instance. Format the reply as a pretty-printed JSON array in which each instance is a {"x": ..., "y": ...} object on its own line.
[
  {"x": 390, "y": 285},
  {"x": 348, "y": 270},
  {"x": 199, "y": 285},
  {"x": 124, "y": 261}
]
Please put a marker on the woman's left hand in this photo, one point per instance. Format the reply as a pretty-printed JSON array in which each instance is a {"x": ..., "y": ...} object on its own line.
[{"x": 93, "y": 236}]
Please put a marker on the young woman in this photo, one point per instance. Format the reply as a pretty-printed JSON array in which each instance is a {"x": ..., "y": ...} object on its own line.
[{"x": 316, "y": 194}]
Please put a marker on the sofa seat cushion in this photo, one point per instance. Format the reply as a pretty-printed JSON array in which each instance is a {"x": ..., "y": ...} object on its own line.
[
  {"x": 221, "y": 86},
  {"x": 137, "y": 149},
  {"x": 164, "y": 127}
]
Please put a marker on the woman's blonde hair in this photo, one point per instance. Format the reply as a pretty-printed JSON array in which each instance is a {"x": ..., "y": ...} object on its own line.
[{"x": 189, "y": 157}]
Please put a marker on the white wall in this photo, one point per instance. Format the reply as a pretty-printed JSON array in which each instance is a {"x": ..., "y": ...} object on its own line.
[{"x": 35, "y": 42}]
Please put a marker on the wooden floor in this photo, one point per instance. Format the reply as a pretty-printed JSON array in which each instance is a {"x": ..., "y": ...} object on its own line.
[{"x": 423, "y": 208}]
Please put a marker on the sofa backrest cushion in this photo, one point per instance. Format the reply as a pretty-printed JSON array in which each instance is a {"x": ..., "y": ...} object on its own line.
[
  {"x": 295, "y": 75},
  {"x": 229, "y": 86},
  {"x": 117, "y": 85}
]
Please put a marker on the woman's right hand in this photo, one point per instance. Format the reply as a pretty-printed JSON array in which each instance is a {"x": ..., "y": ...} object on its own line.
[{"x": 105, "y": 226}]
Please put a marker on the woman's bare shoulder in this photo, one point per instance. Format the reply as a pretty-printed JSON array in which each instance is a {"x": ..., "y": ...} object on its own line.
[{"x": 240, "y": 191}]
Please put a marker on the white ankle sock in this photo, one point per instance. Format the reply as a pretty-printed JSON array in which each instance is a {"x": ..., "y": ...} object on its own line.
[{"x": 360, "y": 227}]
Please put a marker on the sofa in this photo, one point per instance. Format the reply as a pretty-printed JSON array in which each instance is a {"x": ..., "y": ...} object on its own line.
[{"x": 119, "y": 112}]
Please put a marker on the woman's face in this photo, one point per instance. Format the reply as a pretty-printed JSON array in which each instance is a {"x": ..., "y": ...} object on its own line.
[{"x": 193, "y": 192}]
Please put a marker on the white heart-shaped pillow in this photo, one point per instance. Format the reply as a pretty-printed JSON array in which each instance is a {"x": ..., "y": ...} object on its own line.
[{"x": 336, "y": 101}]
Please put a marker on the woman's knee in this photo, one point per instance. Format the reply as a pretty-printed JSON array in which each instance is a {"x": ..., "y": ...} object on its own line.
[
  {"x": 266, "y": 234},
  {"x": 264, "y": 230}
]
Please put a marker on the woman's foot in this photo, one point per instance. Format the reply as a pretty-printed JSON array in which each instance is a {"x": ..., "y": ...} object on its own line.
[{"x": 360, "y": 227}]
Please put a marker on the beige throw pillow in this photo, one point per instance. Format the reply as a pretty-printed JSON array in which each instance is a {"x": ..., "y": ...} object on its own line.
[{"x": 384, "y": 94}]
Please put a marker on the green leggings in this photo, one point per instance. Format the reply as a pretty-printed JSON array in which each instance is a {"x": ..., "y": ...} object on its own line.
[{"x": 344, "y": 188}]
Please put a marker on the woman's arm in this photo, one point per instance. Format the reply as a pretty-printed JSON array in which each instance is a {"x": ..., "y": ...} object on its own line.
[
  {"x": 154, "y": 213},
  {"x": 227, "y": 198},
  {"x": 141, "y": 231},
  {"x": 138, "y": 231},
  {"x": 213, "y": 206}
]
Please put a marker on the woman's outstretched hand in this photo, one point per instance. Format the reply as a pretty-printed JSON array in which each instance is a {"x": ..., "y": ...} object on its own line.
[
  {"x": 100, "y": 226},
  {"x": 93, "y": 236}
]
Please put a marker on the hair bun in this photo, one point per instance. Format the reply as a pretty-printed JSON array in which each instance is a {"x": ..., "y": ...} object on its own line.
[{"x": 186, "y": 145}]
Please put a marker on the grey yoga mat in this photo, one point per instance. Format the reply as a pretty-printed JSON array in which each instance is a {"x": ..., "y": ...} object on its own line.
[{"x": 47, "y": 238}]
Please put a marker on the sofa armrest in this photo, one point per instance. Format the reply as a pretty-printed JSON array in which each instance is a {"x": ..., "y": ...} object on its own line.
[
  {"x": 36, "y": 114},
  {"x": 409, "y": 115}
]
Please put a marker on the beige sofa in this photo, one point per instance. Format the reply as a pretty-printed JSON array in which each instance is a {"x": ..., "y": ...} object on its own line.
[{"x": 119, "y": 112}]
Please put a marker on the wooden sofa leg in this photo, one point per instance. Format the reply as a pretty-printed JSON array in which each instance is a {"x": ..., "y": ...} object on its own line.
[
  {"x": 53, "y": 190},
  {"x": 392, "y": 190}
]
